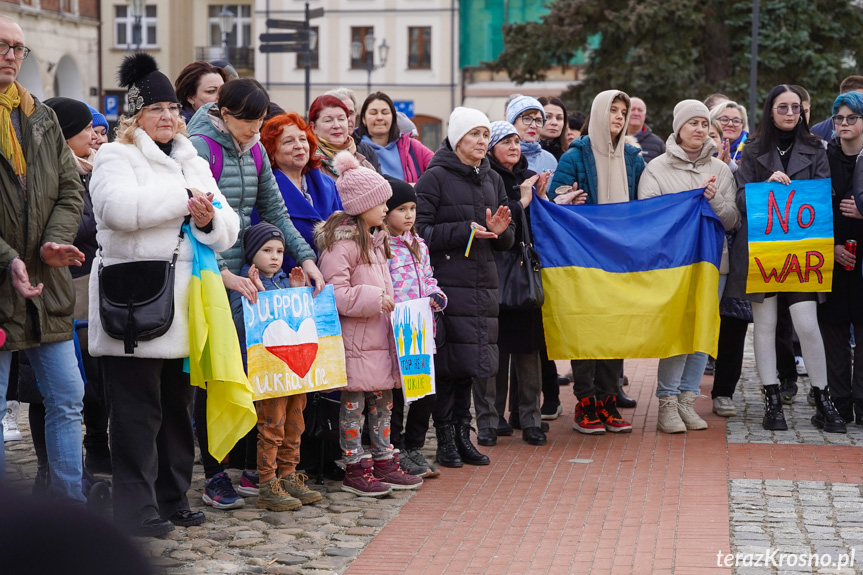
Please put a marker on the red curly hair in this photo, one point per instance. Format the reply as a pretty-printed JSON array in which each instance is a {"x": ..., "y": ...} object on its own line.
[{"x": 272, "y": 132}]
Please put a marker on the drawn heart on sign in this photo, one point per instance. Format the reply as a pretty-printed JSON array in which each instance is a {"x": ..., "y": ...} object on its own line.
[{"x": 297, "y": 349}]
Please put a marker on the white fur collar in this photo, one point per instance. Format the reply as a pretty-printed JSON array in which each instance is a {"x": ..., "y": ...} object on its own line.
[{"x": 182, "y": 151}]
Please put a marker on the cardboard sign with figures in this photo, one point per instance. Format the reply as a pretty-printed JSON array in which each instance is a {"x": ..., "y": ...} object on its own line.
[
  {"x": 413, "y": 327},
  {"x": 294, "y": 342}
]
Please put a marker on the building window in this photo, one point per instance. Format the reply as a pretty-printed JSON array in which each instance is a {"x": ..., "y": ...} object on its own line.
[
  {"x": 301, "y": 56},
  {"x": 358, "y": 34},
  {"x": 67, "y": 6},
  {"x": 124, "y": 28},
  {"x": 241, "y": 29},
  {"x": 419, "y": 51}
]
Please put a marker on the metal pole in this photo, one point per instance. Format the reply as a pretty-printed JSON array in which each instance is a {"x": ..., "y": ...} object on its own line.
[
  {"x": 753, "y": 67},
  {"x": 308, "y": 63},
  {"x": 370, "y": 65}
]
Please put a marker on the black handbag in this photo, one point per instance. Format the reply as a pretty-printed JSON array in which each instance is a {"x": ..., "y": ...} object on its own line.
[
  {"x": 136, "y": 299},
  {"x": 518, "y": 270}
]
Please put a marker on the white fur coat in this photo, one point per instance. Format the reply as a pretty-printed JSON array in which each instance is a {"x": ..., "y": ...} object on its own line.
[{"x": 140, "y": 199}]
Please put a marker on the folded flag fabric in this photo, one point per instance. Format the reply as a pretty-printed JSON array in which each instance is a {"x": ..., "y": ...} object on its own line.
[
  {"x": 215, "y": 363},
  {"x": 629, "y": 280}
]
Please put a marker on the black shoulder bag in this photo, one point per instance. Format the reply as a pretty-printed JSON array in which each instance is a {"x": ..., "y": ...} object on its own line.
[
  {"x": 136, "y": 299},
  {"x": 519, "y": 280}
]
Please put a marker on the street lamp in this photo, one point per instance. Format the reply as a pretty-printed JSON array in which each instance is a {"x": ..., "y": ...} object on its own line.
[
  {"x": 369, "y": 43},
  {"x": 226, "y": 23},
  {"x": 137, "y": 7}
]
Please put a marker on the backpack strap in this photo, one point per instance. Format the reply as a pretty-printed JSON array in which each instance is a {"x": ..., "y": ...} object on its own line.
[
  {"x": 258, "y": 158},
  {"x": 216, "y": 156}
]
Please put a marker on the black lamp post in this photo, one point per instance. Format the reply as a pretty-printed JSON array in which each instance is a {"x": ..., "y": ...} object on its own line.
[
  {"x": 369, "y": 43},
  {"x": 137, "y": 7},
  {"x": 226, "y": 23}
]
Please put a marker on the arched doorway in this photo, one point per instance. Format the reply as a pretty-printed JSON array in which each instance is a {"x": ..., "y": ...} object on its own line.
[
  {"x": 30, "y": 77},
  {"x": 67, "y": 81}
]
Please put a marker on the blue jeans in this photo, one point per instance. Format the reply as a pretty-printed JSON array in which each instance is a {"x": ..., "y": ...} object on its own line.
[
  {"x": 683, "y": 372},
  {"x": 62, "y": 388}
]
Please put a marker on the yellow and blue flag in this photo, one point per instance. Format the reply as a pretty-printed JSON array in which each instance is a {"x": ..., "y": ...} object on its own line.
[
  {"x": 215, "y": 363},
  {"x": 629, "y": 280}
]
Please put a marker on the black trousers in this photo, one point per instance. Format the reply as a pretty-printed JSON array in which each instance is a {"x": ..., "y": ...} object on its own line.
[
  {"x": 550, "y": 387},
  {"x": 152, "y": 444},
  {"x": 844, "y": 365},
  {"x": 729, "y": 357},
  {"x": 786, "y": 367},
  {"x": 410, "y": 435},
  {"x": 452, "y": 401},
  {"x": 597, "y": 378}
]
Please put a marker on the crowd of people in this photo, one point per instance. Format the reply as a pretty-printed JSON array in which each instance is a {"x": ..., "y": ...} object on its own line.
[{"x": 348, "y": 196}]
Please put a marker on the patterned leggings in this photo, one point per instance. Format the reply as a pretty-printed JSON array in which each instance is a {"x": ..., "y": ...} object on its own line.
[{"x": 380, "y": 404}]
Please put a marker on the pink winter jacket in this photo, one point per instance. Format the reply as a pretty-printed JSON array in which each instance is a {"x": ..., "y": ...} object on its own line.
[
  {"x": 415, "y": 157},
  {"x": 370, "y": 356},
  {"x": 412, "y": 279}
]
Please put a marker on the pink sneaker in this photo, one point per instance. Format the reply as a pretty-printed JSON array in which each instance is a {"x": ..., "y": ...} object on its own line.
[
  {"x": 389, "y": 472},
  {"x": 359, "y": 480}
]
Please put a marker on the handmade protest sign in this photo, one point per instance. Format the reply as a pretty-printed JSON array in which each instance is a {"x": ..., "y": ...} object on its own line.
[
  {"x": 413, "y": 326},
  {"x": 790, "y": 237},
  {"x": 294, "y": 342}
]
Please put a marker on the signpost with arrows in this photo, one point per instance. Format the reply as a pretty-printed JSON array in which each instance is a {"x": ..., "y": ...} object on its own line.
[{"x": 302, "y": 39}]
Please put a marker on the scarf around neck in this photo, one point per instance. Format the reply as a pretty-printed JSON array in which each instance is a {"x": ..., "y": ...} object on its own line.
[
  {"x": 327, "y": 151},
  {"x": 9, "y": 144}
]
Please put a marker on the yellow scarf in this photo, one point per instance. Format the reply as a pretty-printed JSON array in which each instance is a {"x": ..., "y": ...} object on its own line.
[{"x": 9, "y": 144}]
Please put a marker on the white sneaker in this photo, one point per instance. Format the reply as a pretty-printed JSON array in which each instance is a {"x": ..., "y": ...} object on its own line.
[
  {"x": 10, "y": 422},
  {"x": 801, "y": 367},
  {"x": 724, "y": 407}
]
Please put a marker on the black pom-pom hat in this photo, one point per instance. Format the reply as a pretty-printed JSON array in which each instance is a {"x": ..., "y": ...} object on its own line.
[{"x": 147, "y": 85}]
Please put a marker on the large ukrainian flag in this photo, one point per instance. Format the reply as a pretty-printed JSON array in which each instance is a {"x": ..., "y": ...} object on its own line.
[
  {"x": 636, "y": 279},
  {"x": 215, "y": 363}
]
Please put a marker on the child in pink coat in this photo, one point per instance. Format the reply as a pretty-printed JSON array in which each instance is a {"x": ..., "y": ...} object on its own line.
[{"x": 353, "y": 258}]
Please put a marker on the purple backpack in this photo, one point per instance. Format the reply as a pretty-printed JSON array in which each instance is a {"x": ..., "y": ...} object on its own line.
[{"x": 217, "y": 158}]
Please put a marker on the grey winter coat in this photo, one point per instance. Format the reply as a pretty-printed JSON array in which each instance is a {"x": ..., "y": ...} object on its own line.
[{"x": 245, "y": 191}]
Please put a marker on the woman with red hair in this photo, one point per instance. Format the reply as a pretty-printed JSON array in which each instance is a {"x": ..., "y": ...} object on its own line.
[
  {"x": 328, "y": 118},
  {"x": 309, "y": 196}
]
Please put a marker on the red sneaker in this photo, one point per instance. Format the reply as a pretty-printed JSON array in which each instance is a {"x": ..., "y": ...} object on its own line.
[
  {"x": 390, "y": 473},
  {"x": 586, "y": 420},
  {"x": 607, "y": 413},
  {"x": 360, "y": 481}
]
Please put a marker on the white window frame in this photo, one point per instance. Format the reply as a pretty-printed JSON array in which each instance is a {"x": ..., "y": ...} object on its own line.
[
  {"x": 240, "y": 23},
  {"x": 129, "y": 22}
]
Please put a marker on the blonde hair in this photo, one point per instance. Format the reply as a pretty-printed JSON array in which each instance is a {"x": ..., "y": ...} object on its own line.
[
  {"x": 717, "y": 110},
  {"x": 124, "y": 133}
]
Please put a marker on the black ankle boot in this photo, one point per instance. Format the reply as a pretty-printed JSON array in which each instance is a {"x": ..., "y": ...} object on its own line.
[
  {"x": 774, "y": 418},
  {"x": 624, "y": 400},
  {"x": 826, "y": 417},
  {"x": 845, "y": 407},
  {"x": 858, "y": 411},
  {"x": 466, "y": 449},
  {"x": 447, "y": 454}
]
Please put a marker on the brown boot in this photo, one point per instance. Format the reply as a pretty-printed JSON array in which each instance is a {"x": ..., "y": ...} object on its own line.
[{"x": 274, "y": 497}]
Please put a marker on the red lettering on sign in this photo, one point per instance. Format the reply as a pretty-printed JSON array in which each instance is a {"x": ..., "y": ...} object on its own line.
[
  {"x": 814, "y": 267},
  {"x": 792, "y": 266},
  {"x": 779, "y": 277},
  {"x": 773, "y": 206},
  {"x": 811, "y": 211}
]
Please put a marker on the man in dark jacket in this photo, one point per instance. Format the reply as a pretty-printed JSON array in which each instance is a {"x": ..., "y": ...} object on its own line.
[
  {"x": 40, "y": 207},
  {"x": 651, "y": 144}
]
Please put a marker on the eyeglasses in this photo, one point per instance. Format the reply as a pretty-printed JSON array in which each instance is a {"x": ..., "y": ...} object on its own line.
[
  {"x": 838, "y": 120},
  {"x": 157, "y": 110},
  {"x": 784, "y": 109},
  {"x": 532, "y": 121},
  {"x": 725, "y": 120},
  {"x": 20, "y": 52}
]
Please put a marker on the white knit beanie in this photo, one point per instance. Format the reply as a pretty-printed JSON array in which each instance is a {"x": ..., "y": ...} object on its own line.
[
  {"x": 686, "y": 110},
  {"x": 463, "y": 120},
  {"x": 360, "y": 189}
]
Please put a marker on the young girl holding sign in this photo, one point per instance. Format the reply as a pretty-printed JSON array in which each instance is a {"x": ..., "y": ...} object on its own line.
[
  {"x": 353, "y": 258},
  {"x": 782, "y": 150},
  {"x": 411, "y": 272}
]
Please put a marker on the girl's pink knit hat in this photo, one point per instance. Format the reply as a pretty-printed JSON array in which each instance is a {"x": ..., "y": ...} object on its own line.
[{"x": 359, "y": 188}]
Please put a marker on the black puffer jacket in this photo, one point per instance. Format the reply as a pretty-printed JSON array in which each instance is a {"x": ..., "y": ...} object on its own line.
[{"x": 451, "y": 195}]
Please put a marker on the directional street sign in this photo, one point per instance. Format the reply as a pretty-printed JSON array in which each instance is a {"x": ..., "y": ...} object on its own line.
[
  {"x": 286, "y": 24},
  {"x": 285, "y": 47},
  {"x": 290, "y": 37}
]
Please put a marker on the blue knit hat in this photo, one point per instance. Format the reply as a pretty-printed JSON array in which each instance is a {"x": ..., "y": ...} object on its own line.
[
  {"x": 499, "y": 131},
  {"x": 98, "y": 118},
  {"x": 521, "y": 104}
]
